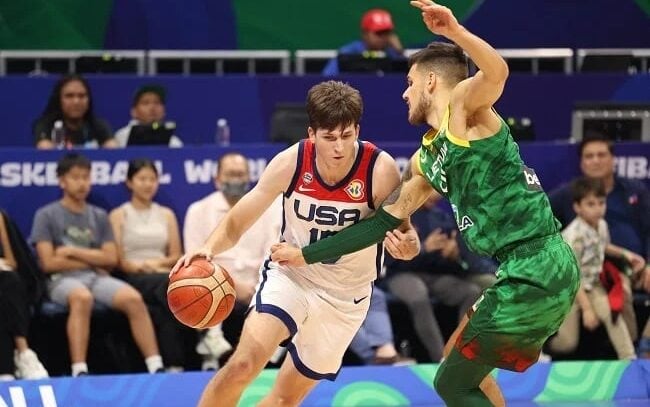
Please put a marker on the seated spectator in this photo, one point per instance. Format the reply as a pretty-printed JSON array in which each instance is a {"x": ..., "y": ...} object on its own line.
[
  {"x": 15, "y": 355},
  {"x": 71, "y": 105},
  {"x": 148, "y": 244},
  {"x": 148, "y": 109},
  {"x": 75, "y": 246},
  {"x": 243, "y": 261},
  {"x": 374, "y": 341},
  {"x": 628, "y": 206},
  {"x": 444, "y": 270},
  {"x": 588, "y": 236},
  {"x": 377, "y": 37}
]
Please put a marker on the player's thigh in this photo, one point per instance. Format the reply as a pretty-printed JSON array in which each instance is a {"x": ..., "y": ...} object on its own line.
[
  {"x": 261, "y": 336},
  {"x": 454, "y": 336},
  {"x": 334, "y": 319}
]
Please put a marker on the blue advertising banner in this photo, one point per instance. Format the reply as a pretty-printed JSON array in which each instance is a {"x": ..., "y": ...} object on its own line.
[
  {"x": 567, "y": 382},
  {"x": 28, "y": 177}
]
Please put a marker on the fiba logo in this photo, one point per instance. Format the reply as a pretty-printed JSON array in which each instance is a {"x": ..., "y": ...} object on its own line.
[
  {"x": 307, "y": 178},
  {"x": 355, "y": 189}
]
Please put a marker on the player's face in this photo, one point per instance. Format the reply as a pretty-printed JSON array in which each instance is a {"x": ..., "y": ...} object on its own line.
[
  {"x": 143, "y": 184},
  {"x": 416, "y": 97},
  {"x": 149, "y": 109},
  {"x": 74, "y": 100},
  {"x": 76, "y": 183},
  {"x": 337, "y": 146},
  {"x": 591, "y": 208},
  {"x": 596, "y": 160}
]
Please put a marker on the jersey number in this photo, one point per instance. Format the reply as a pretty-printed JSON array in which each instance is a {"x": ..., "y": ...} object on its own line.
[{"x": 316, "y": 235}]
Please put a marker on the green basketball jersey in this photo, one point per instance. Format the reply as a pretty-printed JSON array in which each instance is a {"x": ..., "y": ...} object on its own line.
[{"x": 497, "y": 200}]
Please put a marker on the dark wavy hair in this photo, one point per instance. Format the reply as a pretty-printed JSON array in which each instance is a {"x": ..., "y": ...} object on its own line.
[
  {"x": 137, "y": 164},
  {"x": 53, "y": 110}
]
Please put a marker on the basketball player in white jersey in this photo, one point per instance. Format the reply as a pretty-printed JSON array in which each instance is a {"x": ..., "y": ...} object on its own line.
[{"x": 329, "y": 181}]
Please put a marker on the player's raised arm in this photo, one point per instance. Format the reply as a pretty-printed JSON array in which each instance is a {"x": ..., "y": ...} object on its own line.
[
  {"x": 483, "y": 89},
  {"x": 274, "y": 181},
  {"x": 408, "y": 197}
]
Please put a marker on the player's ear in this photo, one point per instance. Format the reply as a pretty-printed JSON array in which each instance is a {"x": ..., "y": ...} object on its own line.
[
  {"x": 311, "y": 133},
  {"x": 432, "y": 80},
  {"x": 576, "y": 207},
  {"x": 358, "y": 130}
]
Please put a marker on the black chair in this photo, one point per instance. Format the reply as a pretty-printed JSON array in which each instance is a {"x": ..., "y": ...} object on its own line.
[{"x": 289, "y": 123}]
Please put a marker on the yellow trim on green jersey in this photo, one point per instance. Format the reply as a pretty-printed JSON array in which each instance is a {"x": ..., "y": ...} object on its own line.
[{"x": 428, "y": 138}]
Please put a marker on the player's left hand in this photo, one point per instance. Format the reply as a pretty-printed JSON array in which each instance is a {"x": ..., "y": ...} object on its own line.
[
  {"x": 287, "y": 255},
  {"x": 438, "y": 19},
  {"x": 402, "y": 245}
]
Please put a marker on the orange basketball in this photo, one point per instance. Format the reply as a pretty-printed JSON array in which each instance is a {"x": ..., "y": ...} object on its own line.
[{"x": 201, "y": 295}]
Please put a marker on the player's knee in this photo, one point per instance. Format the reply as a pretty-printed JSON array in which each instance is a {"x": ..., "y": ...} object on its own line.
[
  {"x": 287, "y": 400},
  {"x": 240, "y": 369},
  {"x": 80, "y": 300}
]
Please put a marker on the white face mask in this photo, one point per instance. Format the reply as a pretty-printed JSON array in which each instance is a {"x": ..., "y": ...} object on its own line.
[{"x": 235, "y": 189}]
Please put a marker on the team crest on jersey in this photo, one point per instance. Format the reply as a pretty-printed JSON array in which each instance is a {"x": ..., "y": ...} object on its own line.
[
  {"x": 355, "y": 189},
  {"x": 307, "y": 178}
]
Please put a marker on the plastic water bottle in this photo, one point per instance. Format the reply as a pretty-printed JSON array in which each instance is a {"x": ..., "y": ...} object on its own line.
[
  {"x": 58, "y": 135},
  {"x": 222, "y": 134}
]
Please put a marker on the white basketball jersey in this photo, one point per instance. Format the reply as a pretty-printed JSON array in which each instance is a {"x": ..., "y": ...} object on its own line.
[{"x": 314, "y": 210}]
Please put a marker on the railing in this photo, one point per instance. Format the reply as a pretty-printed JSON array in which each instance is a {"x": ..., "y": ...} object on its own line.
[
  {"x": 222, "y": 62},
  {"x": 71, "y": 58},
  {"x": 283, "y": 57}
]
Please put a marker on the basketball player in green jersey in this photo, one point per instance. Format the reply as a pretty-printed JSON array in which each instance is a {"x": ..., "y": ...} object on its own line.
[{"x": 470, "y": 157}]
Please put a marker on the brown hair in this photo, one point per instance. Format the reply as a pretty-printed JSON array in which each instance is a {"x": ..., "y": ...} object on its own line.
[
  {"x": 332, "y": 103},
  {"x": 445, "y": 59},
  {"x": 583, "y": 186}
]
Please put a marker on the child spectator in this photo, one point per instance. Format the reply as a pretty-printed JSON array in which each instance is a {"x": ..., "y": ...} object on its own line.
[
  {"x": 75, "y": 247},
  {"x": 148, "y": 244},
  {"x": 596, "y": 301}
]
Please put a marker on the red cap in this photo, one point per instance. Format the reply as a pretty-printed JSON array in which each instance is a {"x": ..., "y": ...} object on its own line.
[{"x": 376, "y": 20}]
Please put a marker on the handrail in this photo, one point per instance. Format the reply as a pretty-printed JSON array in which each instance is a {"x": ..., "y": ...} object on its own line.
[
  {"x": 71, "y": 56},
  {"x": 284, "y": 56}
]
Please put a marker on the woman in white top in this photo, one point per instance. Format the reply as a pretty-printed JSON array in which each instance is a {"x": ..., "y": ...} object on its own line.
[{"x": 149, "y": 243}]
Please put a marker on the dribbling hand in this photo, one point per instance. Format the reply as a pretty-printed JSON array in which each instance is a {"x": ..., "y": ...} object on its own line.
[
  {"x": 187, "y": 258},
  {"x": 438, "y": 19}
]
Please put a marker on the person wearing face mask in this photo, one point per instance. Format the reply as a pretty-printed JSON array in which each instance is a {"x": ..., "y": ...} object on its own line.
[
  {"x": 148, "y": 243},
  {"x": 232, "y": 181}
]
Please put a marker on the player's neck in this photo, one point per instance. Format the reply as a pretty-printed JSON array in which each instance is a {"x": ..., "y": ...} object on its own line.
[
  {"x": 438, "y": 110},
  {"x": 332, "y": 173}
]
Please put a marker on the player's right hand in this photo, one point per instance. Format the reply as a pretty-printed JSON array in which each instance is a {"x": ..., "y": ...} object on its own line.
[
  {"x": 439, "y": 19},
  {"x": 187, "y": 258}
]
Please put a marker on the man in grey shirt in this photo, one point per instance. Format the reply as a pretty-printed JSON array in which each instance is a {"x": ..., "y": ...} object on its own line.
[{"x": 75, "y": 246}]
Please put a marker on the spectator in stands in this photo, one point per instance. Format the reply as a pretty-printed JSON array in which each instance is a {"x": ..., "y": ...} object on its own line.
[
  {"x": 75, "y": 246},
  {"x": 445, "y": 270},
  {"x": 374, "y": 341},
  {"x": 71, "y": 105},
  {"x": 628, "y": 206},
  {"x": 15, "y": 355},
  {"x": 588, "y": 236},
  {"x": 148, "y": 244},
  {"x": 378, "y": 39},
  {"x": 148, "y": 109},
  {"x": 243, "y": 261}
]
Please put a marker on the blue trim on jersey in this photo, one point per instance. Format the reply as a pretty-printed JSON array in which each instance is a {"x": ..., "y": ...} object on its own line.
[
  {"x": 371, "y": 167},
  {"x": 348, "y": 176},
  {"x": 307, "y": 372},
  {"x": 296, "y": 173},
  {"x": 378, "y": 262},
  {"x": 274, "y": 310}
]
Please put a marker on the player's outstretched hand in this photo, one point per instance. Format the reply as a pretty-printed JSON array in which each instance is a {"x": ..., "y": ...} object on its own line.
[
  {"x": 438, "y": 19},
  {"x": 187, "y": 258},
  {"x": 287, "y": 255},
  {"x": 402, "y": 245}
]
